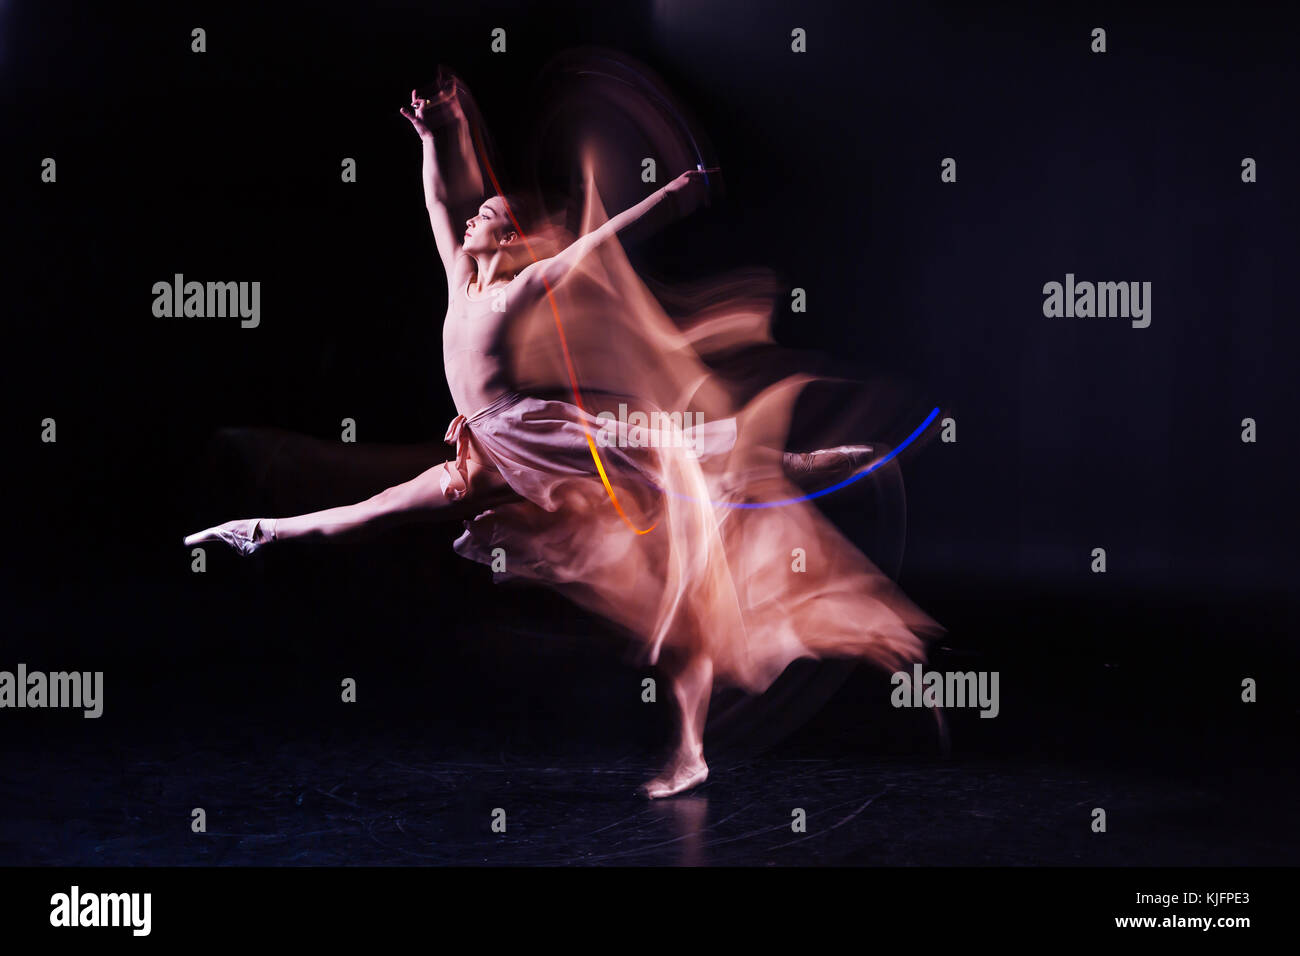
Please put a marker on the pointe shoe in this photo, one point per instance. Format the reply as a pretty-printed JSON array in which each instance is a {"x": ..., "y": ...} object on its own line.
[
  {"x": 242, "y": 534},
  {"x": 827, "y": 463},
  {"x": 678, "y": 780}
]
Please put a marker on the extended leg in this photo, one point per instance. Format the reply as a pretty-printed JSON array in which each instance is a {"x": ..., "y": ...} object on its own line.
[{"x": 421, "y": 498}]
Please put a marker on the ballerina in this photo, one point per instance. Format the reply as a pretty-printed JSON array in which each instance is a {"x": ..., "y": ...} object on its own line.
[{"x": 527, "y": 478}]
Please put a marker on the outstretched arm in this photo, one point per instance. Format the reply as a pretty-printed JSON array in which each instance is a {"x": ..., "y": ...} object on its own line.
[
  {"x": 454, "y": 156},
  {"x": 548, "y": 273}
]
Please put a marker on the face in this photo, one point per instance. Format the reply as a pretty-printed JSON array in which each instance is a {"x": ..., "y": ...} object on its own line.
[{"x": 485, "y": 232}]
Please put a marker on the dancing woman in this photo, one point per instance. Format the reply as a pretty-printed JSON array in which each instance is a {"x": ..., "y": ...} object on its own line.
[{"x": 641, "y": 532}]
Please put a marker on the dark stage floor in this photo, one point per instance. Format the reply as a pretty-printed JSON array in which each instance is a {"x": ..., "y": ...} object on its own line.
[{"x": 362, "y": 799}]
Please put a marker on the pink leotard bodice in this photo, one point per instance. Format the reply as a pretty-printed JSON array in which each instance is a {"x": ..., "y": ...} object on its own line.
[{"x": 473, "y": 346}]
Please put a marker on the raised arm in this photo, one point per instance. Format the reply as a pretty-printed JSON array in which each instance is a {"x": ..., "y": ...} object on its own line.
[
  {"x": 450, "y": 172},
  {"x": 548, "y": 273}
]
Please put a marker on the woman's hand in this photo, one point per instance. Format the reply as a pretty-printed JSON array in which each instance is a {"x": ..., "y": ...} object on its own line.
[
  {"x": 687, "y": 178},
  {"x": 685, "y": 191},
  {"x": 427, "y": 115}
]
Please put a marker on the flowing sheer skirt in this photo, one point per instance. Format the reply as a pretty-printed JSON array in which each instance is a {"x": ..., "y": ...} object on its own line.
[{"x": 684, "y": 541}]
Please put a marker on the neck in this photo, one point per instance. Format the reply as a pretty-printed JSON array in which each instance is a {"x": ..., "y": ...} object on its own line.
[{"x": 493, "y": 267}]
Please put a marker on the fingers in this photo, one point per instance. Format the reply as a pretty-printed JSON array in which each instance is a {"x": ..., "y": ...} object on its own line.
[
  {"x": 416, "y": 120},
  {"x": 200, "y": 536},
  {"x": 421, "y": 106}
]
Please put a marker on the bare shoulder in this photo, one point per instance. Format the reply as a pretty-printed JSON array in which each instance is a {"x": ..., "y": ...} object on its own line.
[
  {"x": 530, "y": 283},
  {"x": 528, "y": 274}
]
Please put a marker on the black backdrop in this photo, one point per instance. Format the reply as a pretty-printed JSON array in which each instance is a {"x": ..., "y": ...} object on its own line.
[{"x": 1072, "y": 434}]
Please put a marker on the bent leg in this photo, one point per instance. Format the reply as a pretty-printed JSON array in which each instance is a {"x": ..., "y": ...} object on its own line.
[{"x": 829, "y": 464}]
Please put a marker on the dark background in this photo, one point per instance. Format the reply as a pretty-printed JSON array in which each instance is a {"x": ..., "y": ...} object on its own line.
[{"x": 1073, "y": 433}]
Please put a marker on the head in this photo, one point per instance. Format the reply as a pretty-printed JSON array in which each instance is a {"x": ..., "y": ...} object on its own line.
[{"x": 492, "y": 228}]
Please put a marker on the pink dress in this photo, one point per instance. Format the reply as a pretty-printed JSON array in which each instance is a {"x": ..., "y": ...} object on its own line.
[{"x": 679, "y": 548}]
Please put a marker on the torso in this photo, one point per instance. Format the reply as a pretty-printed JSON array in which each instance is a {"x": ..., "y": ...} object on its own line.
[{"x": 474, "y": 344}]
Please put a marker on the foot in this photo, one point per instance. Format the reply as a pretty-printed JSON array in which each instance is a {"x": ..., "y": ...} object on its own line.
[
  {"x": 679, "y": 776},
  {"x": 245, "y": 535},
  {"x": 827, "y": 463}
]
